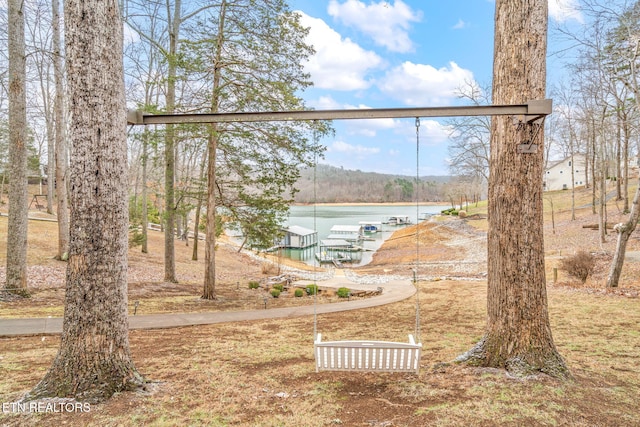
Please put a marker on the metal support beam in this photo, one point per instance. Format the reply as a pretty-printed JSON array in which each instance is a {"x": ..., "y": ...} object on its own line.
[{"x": 529, "y": 112}]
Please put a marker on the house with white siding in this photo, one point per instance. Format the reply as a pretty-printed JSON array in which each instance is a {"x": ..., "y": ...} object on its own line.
[{"x": 558, "y": 175}]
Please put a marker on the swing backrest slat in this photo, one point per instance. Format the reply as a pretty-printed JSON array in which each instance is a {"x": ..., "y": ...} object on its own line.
[{"x": 367, "y": 356}]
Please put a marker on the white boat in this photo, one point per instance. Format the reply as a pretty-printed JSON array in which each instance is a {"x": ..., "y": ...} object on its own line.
[
  {"x": 371, "y": 226},
  {"x": 398, "y": 220}
]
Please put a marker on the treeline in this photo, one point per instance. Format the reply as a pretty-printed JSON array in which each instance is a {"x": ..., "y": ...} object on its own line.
[{"x": 338, "y": 185}]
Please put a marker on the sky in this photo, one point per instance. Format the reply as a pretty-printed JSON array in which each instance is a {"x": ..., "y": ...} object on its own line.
[{"x": 396, "y": 54}]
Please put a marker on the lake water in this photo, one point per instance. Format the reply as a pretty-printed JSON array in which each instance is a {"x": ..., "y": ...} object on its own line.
[{"x": 323, "y": 217}]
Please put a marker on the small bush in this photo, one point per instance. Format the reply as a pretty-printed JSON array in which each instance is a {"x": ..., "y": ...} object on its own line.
[
  {"x": 136, "y": 238},
  {"x": 269, "y": 269},
  {"x": 298, "y": 293},
  {"x": 450, "y": 211},
  {"x": 253, "y": 284},
  {"x": 275, "y": 293},
  {"x": 579, "y": 265},
  {"x": 279, "y": 286},
  {"x": 343, "y": 293},
  {"x": 312, "y": 289}
]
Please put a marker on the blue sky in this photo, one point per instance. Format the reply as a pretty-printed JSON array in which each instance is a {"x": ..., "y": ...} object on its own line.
[{"x": 394, "y": 54}]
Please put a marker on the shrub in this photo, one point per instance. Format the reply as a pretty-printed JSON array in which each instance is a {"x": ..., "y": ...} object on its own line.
[
  {"x": 343, "y": 292},
  {"x": 450, "y": 211},
  {"x": 269, "y": 269},
  {"x": 579, "y": 265},
  {"x": 279, "y": 286},
  {"x": 312, "y": 289},
  {"x": 136, "y": 238},
  {"x": 275, "y": 293},
  {"x": 253, "y": 284},
  {"x": 298, "y": 293}
]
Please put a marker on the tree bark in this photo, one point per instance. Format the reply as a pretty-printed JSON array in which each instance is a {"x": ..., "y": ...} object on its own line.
[
  {"x": 196, "y": 222},
  {"x": 518, "y": 334},
  {"x": 18, "y": 190},
  {"x": 169, "y": 151},
  {"x": 145, "y": 197},
  {"x": 624, "y": 231},
  {"x": 94, "y": 360},
  {"x": 61, "y": 157},
  {"x": 209, "y": 289}
]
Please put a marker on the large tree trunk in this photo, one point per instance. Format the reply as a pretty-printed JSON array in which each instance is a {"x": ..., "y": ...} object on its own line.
[
  {"x": 94, "y": 360},
  {"x": 62, "y": 158},
  {"x": 18, "y": 190},
  {"x": 518, "y": 335}
]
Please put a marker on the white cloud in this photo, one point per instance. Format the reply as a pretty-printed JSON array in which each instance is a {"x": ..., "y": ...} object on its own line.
[
  {"x": 433, "y": 132},
  {"x": 424, "y": 85},
  {"x": 460, "y": 25},
  {"x": 339, "y": 64},
  {"x": 325, "y": 103},
  {"x": 565, "y": 10},
  {"x": 387, "y": 24},
  {"x": 357, "y": 150}
]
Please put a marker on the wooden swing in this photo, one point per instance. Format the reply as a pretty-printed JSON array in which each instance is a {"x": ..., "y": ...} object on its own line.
[{"x": 373, "y": 356}]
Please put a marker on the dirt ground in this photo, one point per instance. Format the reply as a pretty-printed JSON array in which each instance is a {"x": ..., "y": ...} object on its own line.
[{"x": 262, "y": 374}]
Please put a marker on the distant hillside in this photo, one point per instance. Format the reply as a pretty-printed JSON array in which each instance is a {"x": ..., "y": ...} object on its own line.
[{"x": 337, "y": 185}]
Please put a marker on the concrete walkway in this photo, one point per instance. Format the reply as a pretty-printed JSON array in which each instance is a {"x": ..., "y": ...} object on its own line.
[{"x": 393, "y": 291}]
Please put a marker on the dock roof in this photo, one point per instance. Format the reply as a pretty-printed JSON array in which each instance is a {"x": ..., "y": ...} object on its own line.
[{"x": 300, "y": 231}]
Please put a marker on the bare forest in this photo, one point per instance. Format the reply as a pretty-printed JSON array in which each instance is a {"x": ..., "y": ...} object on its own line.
[{"x": 329, "y": 184}]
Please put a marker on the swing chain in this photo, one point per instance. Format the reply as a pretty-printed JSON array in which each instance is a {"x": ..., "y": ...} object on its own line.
[{"x": 416, "y": 270}]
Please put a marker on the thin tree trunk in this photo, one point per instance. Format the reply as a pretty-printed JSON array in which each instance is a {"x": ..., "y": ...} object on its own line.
[
  {"x": 169, "y": 153},
  {"x": 94, "y": 359},
  {"x": 51, "y": 155},
  {"x": 209, "y": 291},
  {"x": 624, "y": 231},
  {"x": 16, "y": 271},
  {"x": 625, "y": 187},
  {"x": 62, "y": 157},
  {"x": 618, "y": 156},
  {"x": 196, "y": 225},
  {"x": 145, "y": 197},
  {"x": 518, "y": 334},
  {"x": 593, "y": 168},
  {"x": 573, "y": 186},
  {"x": 602, "y": 219}
]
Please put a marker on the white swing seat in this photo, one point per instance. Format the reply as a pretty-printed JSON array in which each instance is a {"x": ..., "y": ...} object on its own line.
[{"x": 367, "y": 356}]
